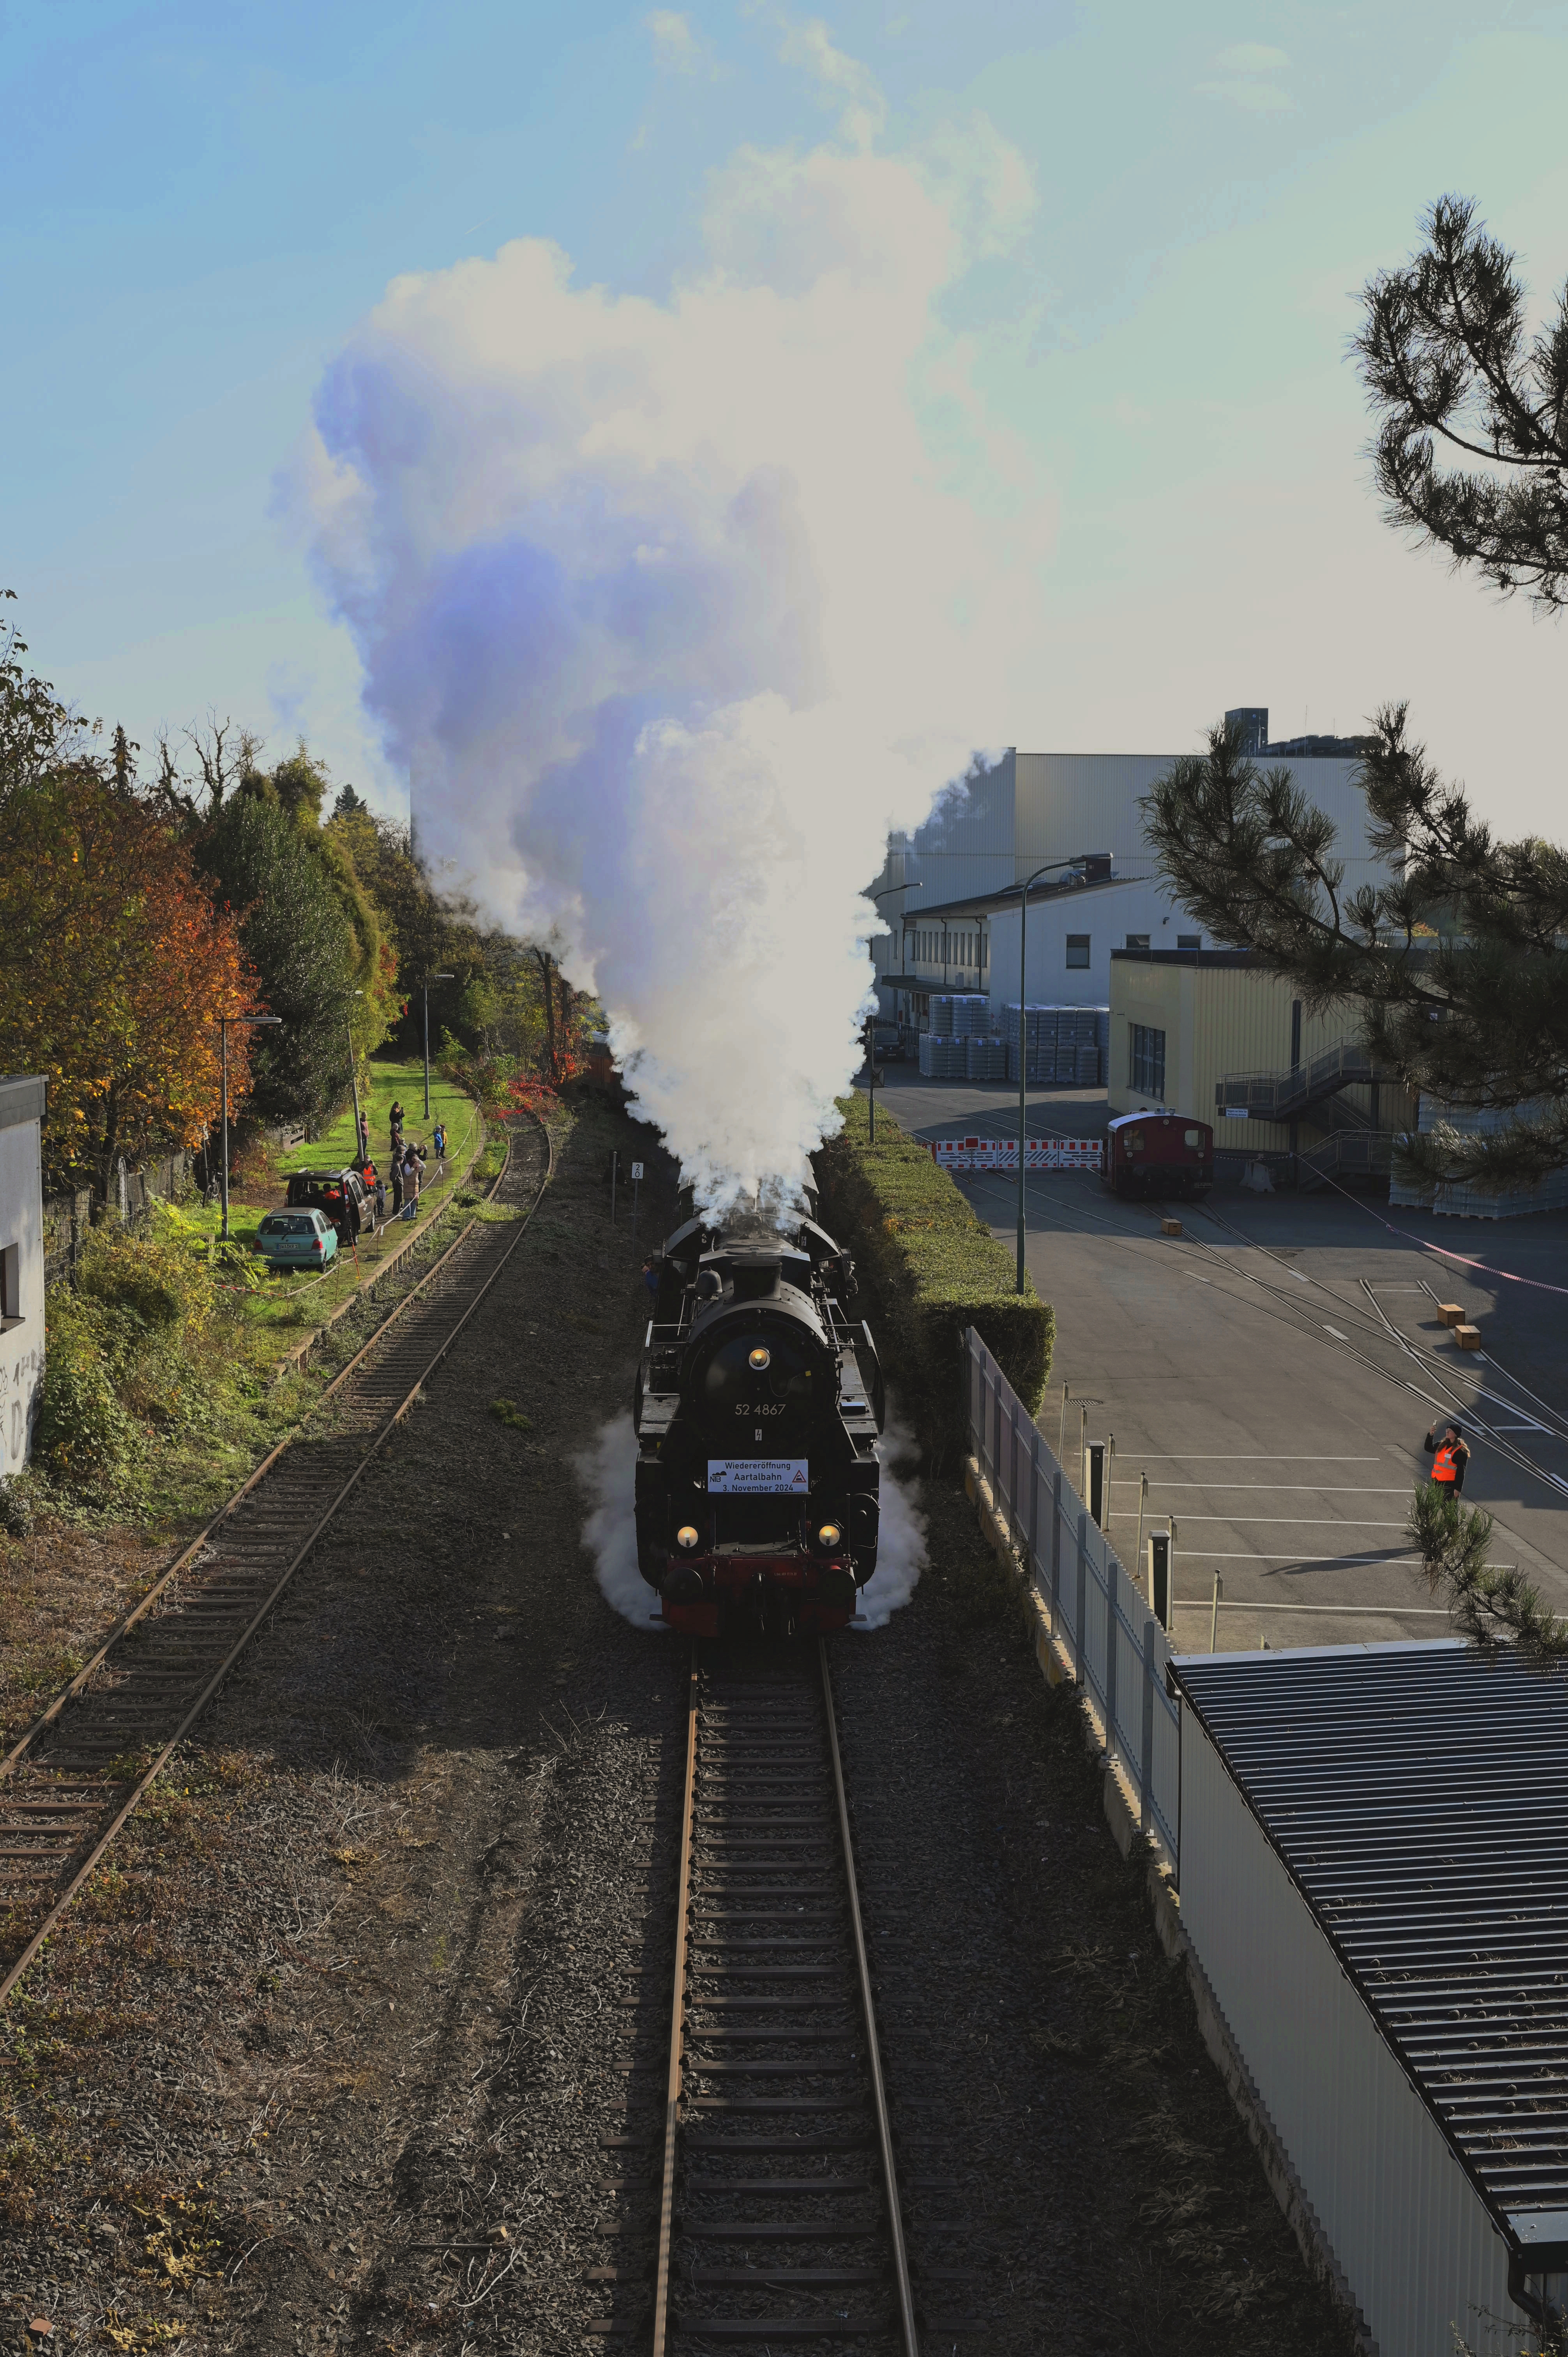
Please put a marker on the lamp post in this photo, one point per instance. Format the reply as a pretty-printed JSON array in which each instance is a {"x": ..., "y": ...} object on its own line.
[
  {"x": 362, "y": 1131},
  {"x": 1049, "y": 868},
  {"x": 886, "y": 893},
  {"x": 223, "y": 1023},
  {"x": 428, "y": 980}
]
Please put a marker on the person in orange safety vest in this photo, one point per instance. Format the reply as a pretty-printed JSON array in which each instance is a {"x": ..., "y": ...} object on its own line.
[{"x": 1449, "y": 1457}]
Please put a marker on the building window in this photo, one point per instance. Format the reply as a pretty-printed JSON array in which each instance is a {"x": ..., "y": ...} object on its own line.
[
  {"x": 1189, "y": 941},
  {"x": 1147, "y": 1064},
  {"x": 1078, "y": 949},
  {"x": 1137, "y": 940},
  {"x": 11, "y": 1285}
]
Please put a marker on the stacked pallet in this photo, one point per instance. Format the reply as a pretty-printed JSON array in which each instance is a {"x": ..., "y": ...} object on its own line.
[
  {"x": 959, "y": 1014},
  {"x": 1062, "y": 1044},
  {"x": 943, "y": 1059},
  {"x": 988, "y": 1059}
]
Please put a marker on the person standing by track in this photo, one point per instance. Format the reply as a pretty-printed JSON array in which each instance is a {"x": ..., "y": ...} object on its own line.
[{"x": 1450, "y": 1455}]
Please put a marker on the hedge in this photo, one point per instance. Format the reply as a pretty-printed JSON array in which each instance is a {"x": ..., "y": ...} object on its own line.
[{"x": 933, "y": 1268}]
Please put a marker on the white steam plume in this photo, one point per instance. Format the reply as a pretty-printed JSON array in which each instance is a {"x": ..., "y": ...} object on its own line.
[{"x": 670, "y": 608}]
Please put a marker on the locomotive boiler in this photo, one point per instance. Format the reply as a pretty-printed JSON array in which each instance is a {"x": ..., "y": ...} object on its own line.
[{"x": 758, "y": 1406}]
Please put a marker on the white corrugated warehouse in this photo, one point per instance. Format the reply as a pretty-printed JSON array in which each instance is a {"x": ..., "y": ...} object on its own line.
[
  {"x": 21, "y": 1265},
  {"x": 1374, "y": 1879}
]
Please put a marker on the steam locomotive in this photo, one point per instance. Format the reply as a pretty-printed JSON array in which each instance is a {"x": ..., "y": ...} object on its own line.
[{"x": 758, "y": 1406}]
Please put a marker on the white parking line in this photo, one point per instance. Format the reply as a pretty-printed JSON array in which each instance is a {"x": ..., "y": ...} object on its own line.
[
  {"x": 1278, "y": 1489},
  {"x": 1209, "y": 1555},
  {"x": 1245, "y": 1457},
  {"x": 1296, "y": 1521}
]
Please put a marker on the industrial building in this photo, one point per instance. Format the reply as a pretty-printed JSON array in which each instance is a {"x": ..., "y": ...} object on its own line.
[
  {"x": 1375, "y": 1886},
  {"x": 1209, "y": 1032},
  {"x": 21, "y": 1265},
  {"x": 950, "y": 892}
]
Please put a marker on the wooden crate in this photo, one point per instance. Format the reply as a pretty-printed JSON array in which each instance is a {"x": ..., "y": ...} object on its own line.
[
  {"x": 1467, "y": 1337},
  {"x": 1450, "y": 1313},
  {"x": 1170, "y": 1227}
]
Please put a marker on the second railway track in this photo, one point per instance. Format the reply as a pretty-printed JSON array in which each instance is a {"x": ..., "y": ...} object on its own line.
[
  {"x": 71, "y": 1781},
  {"x": 781, "y": 2217}
]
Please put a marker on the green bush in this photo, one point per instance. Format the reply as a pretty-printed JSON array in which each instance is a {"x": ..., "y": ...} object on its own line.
[
  {"x": 933, "y": 1269},
  {"x": 84, "y": 1438}
]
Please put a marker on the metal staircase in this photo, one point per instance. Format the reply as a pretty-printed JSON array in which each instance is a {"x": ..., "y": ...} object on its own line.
[{"x": 1286, "y": 1096}]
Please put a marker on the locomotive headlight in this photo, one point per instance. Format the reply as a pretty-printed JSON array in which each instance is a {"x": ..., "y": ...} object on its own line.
[
  {"x": 829, "y": 1535},
  {"x": 759, "y": 1360},
  {"x": 686, "y": 1537}
]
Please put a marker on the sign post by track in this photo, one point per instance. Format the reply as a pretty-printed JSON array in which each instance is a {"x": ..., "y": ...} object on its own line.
[{"x": 635, "y": 1185}]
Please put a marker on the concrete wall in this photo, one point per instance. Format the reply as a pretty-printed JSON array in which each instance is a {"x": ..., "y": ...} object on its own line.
[
  {"x": 1406, "y": 2228},
  {"x": 21, "y": 1230}
]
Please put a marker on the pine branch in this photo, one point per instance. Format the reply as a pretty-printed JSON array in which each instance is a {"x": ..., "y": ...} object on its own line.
[{"x": 1487, "y": 1605}]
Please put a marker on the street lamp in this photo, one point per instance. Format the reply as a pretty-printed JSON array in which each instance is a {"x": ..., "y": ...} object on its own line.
[
  {"x": 1049, "y": 867},
  {"x": 223, "y": 1023},
  {"x": 428, "y": 980},
  {"x": 886, "y": 893}
]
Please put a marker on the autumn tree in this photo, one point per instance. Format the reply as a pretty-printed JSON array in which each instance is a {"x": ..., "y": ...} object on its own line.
[
  {"x": 300, "y": 942},
  {"x": 115, "y": 962}
]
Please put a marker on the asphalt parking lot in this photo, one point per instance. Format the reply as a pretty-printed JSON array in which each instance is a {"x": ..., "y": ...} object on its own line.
[{"x": 1273, "y": 1372}]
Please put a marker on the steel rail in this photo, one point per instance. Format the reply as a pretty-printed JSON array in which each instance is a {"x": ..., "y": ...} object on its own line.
[
  {"x": 189, "y": 1553},
  {"x": 872, "y": 2048},
  {"x": 677, "y": 2017},
  {"x": 667, "y": 2329},
  {"x": 366, "y": 1455}
]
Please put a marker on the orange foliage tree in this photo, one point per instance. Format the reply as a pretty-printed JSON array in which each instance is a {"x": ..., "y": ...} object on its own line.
[{"x": 115, "y": 962}]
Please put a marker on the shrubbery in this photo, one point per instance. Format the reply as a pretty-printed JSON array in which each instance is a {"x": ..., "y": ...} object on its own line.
[
  {"x": 934, "y": 1269},
  {"x": 124, "y": 1359}
]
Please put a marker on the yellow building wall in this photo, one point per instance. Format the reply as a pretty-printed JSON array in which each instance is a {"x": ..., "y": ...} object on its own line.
[{"x": 1219, "y": 1022}]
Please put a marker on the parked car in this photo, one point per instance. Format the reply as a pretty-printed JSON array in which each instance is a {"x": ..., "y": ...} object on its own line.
[
  {"x": 298, "y": 1239},
  {"x": 341, "y": 1194}
]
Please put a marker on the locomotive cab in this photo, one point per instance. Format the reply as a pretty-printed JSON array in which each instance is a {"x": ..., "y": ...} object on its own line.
[
  {"x": 758, "y": 1406},
  {"x": 1158, "y": 1154}
]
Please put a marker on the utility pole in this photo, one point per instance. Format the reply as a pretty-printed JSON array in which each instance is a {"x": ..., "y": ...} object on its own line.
[
  {"x": 1049, "y": 867},
  {"x": 429, "y": 979},
  {"x": 886, "y": 893}
]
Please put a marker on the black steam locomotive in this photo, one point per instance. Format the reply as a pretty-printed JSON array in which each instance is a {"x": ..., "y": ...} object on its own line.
[{"x": 758, "y": 1406}]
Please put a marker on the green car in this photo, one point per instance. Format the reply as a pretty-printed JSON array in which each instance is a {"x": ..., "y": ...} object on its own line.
[{"x": 298, "y": 1239}]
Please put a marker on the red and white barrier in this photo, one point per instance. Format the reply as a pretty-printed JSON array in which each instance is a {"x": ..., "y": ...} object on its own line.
[{"x": 1001, "y": 1153}]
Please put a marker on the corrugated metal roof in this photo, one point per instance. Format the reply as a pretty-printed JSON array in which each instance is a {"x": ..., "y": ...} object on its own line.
[{"x": 1418, "y": 1796}]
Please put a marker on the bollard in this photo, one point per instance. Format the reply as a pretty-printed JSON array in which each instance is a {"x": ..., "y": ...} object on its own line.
[
  {"x": 1160, "y": 1577},
  {"x": 1096, "y": 1483}
]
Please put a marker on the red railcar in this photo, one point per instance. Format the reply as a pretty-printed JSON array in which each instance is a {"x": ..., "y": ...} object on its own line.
[{"x": 1158, "y": 1154}]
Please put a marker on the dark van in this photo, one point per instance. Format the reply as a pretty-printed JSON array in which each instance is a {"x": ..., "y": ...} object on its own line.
[{"x": 340, "y": 1193}]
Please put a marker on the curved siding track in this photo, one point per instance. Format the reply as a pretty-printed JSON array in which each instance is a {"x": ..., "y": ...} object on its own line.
[{"x": 74, "y": 1778}]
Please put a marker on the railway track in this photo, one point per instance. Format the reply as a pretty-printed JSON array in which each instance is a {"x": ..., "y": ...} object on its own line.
[
  {"x": 781, "y": 2216},
  {"x": 81, "y": 1769}
]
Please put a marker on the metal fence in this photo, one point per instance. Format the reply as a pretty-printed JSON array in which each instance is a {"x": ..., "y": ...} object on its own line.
[{"x": 1113, "y": 1645}]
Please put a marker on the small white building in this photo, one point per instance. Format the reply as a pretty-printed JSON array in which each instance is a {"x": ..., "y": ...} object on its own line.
[{"x": 21, "y": 1265}]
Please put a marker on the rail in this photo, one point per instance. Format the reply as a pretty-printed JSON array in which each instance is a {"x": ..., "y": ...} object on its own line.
[
  {"x": 78, "y": 1773},
  {"x": 773, "y": 2051},
  {"x": 1113, "y": 1646}
]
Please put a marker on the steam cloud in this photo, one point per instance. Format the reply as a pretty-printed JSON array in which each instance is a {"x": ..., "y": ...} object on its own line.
[
  {"x": 670, "y": 607},
  {"x": 608, "y": 1471}
]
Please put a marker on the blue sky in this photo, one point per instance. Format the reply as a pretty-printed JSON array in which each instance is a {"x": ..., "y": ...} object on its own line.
[{"x": 202, "y": 203}]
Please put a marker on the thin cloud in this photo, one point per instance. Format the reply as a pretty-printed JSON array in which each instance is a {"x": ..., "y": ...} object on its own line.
[
  {"x": 1245, "y": 67},
  {"x": 839, "y": 78},
  {"x": 1251, "y": 57},
  {"x": 675, "y": 45}
]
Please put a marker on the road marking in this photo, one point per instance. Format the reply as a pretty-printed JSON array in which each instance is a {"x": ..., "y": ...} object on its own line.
[
  {"x": 1276, "y": 1489},
  {"x": 1336, "y": 1334},
  {"x": 1296, "y": 1521},
  {"x": 1209, "y": 1554},
  {"x": 1245, "y": 1457},
  {"x": 1378, "y": 1611}
]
